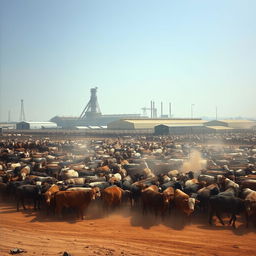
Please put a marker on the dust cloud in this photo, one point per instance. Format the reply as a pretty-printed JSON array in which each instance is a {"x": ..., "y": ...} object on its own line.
[{"x": 195, "y": 163}]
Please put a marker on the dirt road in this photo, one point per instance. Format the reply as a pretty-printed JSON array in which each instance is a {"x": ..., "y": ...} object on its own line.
[{"x": 122, "y": 233}]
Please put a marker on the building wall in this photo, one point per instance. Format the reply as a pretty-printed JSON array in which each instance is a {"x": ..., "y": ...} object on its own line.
[
  {"x": 161, "y": 130},
  {"x": 236, "y": 124},
  {"x": 121, "y": 125},
  {"x": 22, "y": 126},
  {"x": 186, "y": 129},
  {"x": 35, "y": 125}
]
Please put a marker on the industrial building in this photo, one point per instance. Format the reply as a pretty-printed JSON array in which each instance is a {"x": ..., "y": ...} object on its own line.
[
  {"x": 135, "y": 124},
  {"x": 214, "y": 126},
  {"x": 64, "y": 121},
  {"x": 90, "y": 116},
  {"x": 35, "y": 125},
  {"x": 8, "y": 126},
  {"x": 234, "y": 124},
  {"x": 166, "y": 129}
]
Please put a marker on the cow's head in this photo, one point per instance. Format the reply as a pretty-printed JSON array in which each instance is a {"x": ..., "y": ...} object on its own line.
[
  {"x": 190, "y": 205},
  {"x": 95, "y": 192},
  {"x": 39, "y": 189},
  {"x": 250, "y": 207},
  {"x": 23, "y": 175},
  {"x": 47, "y": 196}
]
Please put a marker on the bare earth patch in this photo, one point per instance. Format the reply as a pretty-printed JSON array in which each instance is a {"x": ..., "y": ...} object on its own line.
[{"x": 124, "y": 233}]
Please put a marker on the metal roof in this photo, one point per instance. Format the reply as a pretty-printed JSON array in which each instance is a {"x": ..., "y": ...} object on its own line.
[
  {"x": 183, "y": 125},
  {"x": 165, "y": 121},
  {"x": 237, "y": 121},
  {"x": 31, "y": 122}
]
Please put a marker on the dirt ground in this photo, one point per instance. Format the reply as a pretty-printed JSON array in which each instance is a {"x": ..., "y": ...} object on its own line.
[{"x": 123, "y": 232}]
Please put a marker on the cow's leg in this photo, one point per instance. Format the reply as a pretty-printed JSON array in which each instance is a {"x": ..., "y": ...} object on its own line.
[
  {"x": 231, "y": 219},
  {"x": 105, "y": 207},
  {"x": 23, "y": 204},
  {"x": 234, "y": 220},
  {"x": 210, "y": 216},
  {"x": 34, "y": 204},
  {"x": 163, "y": 215},
  {"x": 58, "y": 210},
  {"x": 156, "y": 212},
  {"x": 220, "y": 219},
  {"x": 18, "y": 202},
  {"x": 82, "y": 213},
  {"x": 247, "y": 219},
  {"x": 170, "y": 208},
  {"x": 144, "y": 209}
]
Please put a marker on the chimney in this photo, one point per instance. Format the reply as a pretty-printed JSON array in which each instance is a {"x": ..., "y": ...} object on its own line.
[
  {"x": 154, "y": 109},
  {"x": 151, "y": 109}
]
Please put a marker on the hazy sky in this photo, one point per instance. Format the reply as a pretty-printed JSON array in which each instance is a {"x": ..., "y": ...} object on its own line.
[{"x": 185, "y": 52}]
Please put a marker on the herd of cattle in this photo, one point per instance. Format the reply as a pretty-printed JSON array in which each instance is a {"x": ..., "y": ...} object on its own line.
[{"x": 154, "y": 175}]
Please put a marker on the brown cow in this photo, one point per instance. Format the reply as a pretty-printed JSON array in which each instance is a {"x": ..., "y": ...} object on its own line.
[
  {"x": 169, "y": 192},
  {"x": 79, "y": 200},
  {"x": 113, "y": 197},
  {"x": 183, "y": 202},
  {"x": 152, "y": 187},
  {"x": 154, "y": 201},
  {"x": 248, "y": 183},
  {"x": 250, "y": 204},
  {"x": 24, "y": 172},
  {"x": 49, "y": 194}
]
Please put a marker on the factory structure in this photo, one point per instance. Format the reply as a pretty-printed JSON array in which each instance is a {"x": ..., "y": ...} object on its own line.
[{"x": 92, "y": 118}]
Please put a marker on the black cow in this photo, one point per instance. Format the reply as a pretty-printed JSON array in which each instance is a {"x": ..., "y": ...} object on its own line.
[
  {"x": 13, "y": 185},
  {"x": 222, "y": 203},
  {"x": 33, "y": 192},
  {"x": 204, "y": 195}
]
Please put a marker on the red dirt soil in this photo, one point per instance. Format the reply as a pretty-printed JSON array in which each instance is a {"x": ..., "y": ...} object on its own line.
[{"x": 122, "y": 233}]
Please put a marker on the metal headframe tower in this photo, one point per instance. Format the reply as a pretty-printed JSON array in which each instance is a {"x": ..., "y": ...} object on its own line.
[
  {"x": 92, "y": 109},
  {"x": 22, "y": 112}
]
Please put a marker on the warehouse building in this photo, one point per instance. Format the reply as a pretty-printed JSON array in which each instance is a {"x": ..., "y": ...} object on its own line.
[
  {"x": 235, "y": 124},
  {"x": 65, "y": 121},
  {"x": 166, "y": 129},
  {"x": 35, "y": 125},
  {"x": 149, "y": 124}
]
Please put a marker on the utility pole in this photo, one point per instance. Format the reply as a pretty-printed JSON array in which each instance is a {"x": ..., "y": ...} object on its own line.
[
  {"x": 170, "y": 110},
  {"x": 192, "y": 105},
  {"x": 9, "y": 116}
]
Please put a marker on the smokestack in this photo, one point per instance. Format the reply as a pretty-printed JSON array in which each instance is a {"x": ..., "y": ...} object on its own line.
[
  {"x": 170, "y": 109},
  {"x": 161, "y": 109},
  {"x": 154, "y": 112},
  {"x": 151, "y": 109}
]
